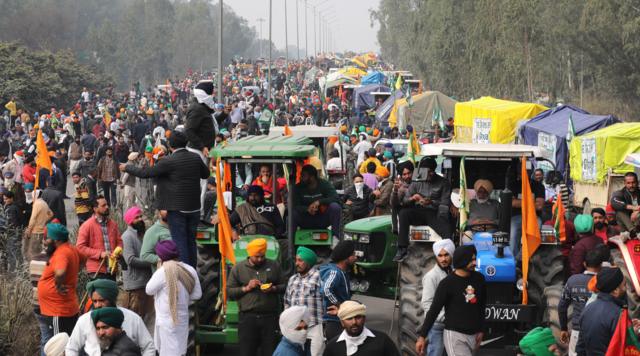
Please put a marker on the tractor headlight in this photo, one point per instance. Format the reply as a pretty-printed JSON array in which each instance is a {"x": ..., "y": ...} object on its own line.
[
  {"x": 348, "y": 237},
  {"x": 364, "y": 239},
  {"x": 364, "y": 286},
  {"x": 520, "y": 284}
]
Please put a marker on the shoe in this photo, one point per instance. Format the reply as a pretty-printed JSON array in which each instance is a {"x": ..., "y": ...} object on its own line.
[{"x": 400, "y": 255}]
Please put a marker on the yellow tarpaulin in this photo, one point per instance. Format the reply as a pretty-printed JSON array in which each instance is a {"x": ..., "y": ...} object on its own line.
[
  {"x": 491, "y": 120},
  {"x": 592, "y": 155},
  {"x": 393, "y": 116},
  {"x": 352, "y": 72}
]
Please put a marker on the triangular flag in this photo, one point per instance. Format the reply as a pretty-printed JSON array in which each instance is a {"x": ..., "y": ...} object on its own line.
[
  {"x": 530, "y": 229},
  {"x": 571, "y": 130},
  {"x": 436, "y": 118},
  {"x": 409, "y": 98},
  {"x": 43, "y": 160},
  {"x": 399, "y": 82},
  {"x": 225, "y": 242}
]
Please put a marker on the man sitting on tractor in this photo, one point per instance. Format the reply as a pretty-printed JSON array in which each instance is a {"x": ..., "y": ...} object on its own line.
[
  {"x": 626, "y": 203},
  {"x": 483, "y": 208},
  {"x": 315, "y": 203},
  {"x": 426, "y": 203}
]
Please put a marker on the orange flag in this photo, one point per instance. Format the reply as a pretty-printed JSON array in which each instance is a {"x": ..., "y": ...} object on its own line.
[
  {"x": 530, "y": 229},
  {"x": 559, "y": 219},
  {"x": 287, "y": 131},
  {"x": 225, "y": 242},
  {"x": 43, "y": 160}
]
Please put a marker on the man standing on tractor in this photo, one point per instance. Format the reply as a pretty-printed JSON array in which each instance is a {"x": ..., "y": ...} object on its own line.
[
  {"x": 463, "y": 296},
  {"x": 426, "y": 203},
  {"x": 256, "y": 283},
  {"x": 626, "y": 203},
  {"x": 575, "y": 294},
  {"x": 336, "y": 285},
  {"x": 443, "y": 250},
  {"x": 587, "y": 241},
  {"x": 304, "y": 289},
  {"x": 400, "y": 188},
  {"x": 316, "y": 203}
]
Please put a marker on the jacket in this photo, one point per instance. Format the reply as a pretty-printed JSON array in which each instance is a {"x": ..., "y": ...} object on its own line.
[
  {"x": 138, "y": 272},
  {"x": 55, "y": 200},
  {"x": 178, "y": 180},
  {"x": 122, "y": 345},
  {"x": 579, "y": 251},
  {"x": 575, "y": 293},
  {"x": 621, "y": 198},
  {"x": 384, "y": 200},
  {"x": 597, "y": 325},
  {"x": 359, "y": 207},
  {"x": 91, "y": 244},
  {"x": 288, "y": 348},
  {"x": 199, "y": 126},
  {"x": 438, "y": 190},
  {"x": 335, "y": 288},
  {"x": 430, "y": 283}
]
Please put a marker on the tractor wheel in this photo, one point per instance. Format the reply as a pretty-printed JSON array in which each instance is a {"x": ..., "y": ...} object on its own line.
[
  {"x": 552, "y": 297},
  {"x": 208, "y": 268},
  {"x": 633, "y": 300},
  {"x": 419, "y": 260},
  {"x": 191, "y": 339},
  {"x": 546, "y": 269}
]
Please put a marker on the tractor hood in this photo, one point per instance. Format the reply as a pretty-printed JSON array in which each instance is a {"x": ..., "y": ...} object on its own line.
[{"x": 375, "y": 223}]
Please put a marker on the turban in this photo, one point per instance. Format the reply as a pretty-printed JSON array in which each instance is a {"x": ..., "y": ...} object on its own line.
[
  {"x": 333, "y": 139},
  {"x": 206, "y": 86},
  {"x": 382, "y": 172},
  {"x": 583, "y": 223},
  {"x": 111, "y": 316},
  {"x": 371, "y": 152},
  {"x": 107, "y": 289},
  {"x": 350, "y": 309},
  {"x": 256, "y": 189},
  {"x": 445, "y": 244},
  {"x": 361, "y": 128},
  {"x": 56, "y": 345},
  {"x": 387, "y": 154},
  {"x": 133, "y": 156},
  {"x": 463, "y": 255},
  {"x": 599, "y": 211},
  {"x": 167, "y": 250},
  {"x": 307, "y": 255},
  {"x": 290, "y": 318},
  {"x": 257, "y": 246},
  {"x": 57, "y": 232},
  {"x": 609, "y": 279},
  {"x": 28, "y": 186},
  {"x": 342, "y": 251},
  {"x": 8, "y": 174},
  {"x": 428, "y": 163},
  {"x": 483, "y": 183},
  {"x": 131, "y": 214}
]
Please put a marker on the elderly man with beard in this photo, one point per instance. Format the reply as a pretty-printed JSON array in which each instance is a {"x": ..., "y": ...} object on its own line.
[
  {"x": 257, "y": 215},
  {"x": 483, "y": 208},
  {"x": 174, "y": 286},
  {"x": 113, "y": 340},
  {"x": 256, "y": 283},
  {"x": 443, "y": 250},
  {"x": 138, "y": 273},
  {"x": 84, "y": 339},
  {"x": 356, "y": 339},
  {"x": 294, "y": 323},
  {"x": 57, "y": 286},
  {"x": 462, "y": 294},
  {"x": 305, "y": 289}
]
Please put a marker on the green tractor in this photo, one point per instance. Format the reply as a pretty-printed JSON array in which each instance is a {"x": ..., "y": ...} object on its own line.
[
  {"x": 507, "y": 320},
  {"x": 217, "y": 325}
]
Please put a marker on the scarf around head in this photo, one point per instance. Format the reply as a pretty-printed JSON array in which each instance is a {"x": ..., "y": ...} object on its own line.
[{"x": 174, "y": 273}]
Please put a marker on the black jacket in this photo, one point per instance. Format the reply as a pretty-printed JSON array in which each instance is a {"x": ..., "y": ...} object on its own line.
[
  {"x": 178, "y": 178},
  {"x": 360, "y": 208},
  {"x": 122, "y": 345},
  {"x": 55, "y": 200},
  {"x": 620, "y": 199},
  {"x": 199, "y": 126},
  {"x": 380, "y": 345},
  {"x": 597, "y": 324}
]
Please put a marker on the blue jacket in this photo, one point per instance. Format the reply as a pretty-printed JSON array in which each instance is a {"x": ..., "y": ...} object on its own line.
[
  {"x": 288, "y": 348},
  {"x": 335, "y": 288},
  {"x": 597, "y": 325}
]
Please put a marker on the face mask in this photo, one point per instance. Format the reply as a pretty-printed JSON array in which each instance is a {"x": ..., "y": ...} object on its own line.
[
  {"x": 296, "y": 336},
  {"x": 359, "y": 189},
  {"x": 28, "y": 197}
]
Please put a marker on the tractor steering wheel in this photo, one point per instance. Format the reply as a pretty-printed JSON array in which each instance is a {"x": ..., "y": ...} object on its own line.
[
  {"x": 243, "y": 227},
  {"x": 482, "y": 225}
]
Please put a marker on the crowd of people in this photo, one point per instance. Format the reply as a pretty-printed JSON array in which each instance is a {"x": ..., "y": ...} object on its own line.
[{"x": 148, "y": 151}]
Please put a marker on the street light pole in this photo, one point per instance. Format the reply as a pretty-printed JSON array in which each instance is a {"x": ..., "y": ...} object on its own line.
[
  {"x": 315, "y": 33},
  {"x": 269, "y": 72},
  {"x": 220, "y": 98},
  {"x": 260, "y": 21},
  {"x": 286, "y": 37},
  {"x": 306, "y": 35},
  {"x": 297, "y": 30}
]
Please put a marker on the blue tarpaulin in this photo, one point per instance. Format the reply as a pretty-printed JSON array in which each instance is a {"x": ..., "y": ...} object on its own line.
[
  {"x": 373, "y": 78},
  {"x": 384, "y": 110},
  {"x": 548, "y": 130},
  {"x": 362, "y": 98}
]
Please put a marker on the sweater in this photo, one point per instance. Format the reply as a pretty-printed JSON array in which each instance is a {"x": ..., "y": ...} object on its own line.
[
  {"x": 463, "y": 299},
  {"x": 597, "y": 324},
  {"x": 138, "y": 272},
  {"x": 178, "y": 180},
  {"x": 303, "y": 195},
  {"x": 430, "y": 283},
  {"x": 575, "y": 293},
  {"x": 157, "y": 232},
  {"x": 579, "y": 251},
  {"x": 379, "y": 345},
  {"x": 256, "y": 301},
  {"x": 122, "y": 345}
]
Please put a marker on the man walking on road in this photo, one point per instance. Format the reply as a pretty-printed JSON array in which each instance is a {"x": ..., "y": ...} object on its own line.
[{"x": 107, "y": 175}]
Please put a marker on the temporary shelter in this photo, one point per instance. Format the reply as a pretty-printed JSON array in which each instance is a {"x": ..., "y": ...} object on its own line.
[
  {"x": 362, "y": 97},
  {"x": 374, "y": 78},
  {"x": 426, "y": 106}
]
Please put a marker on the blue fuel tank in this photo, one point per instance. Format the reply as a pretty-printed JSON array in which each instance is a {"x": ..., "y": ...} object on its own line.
[{"x": 494, "y": 268}]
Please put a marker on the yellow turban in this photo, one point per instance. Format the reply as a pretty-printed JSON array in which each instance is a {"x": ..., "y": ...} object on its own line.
[
  {"x": 257, "y": 246},
  {"x": 484, "y": 183}
]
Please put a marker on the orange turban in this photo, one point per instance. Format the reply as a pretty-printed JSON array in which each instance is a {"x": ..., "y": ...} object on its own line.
[
  {"x": 333, "y": 139},
  {"x": 376, "y": 132},
  {"x": 382, "y": 171},
  {"x": 257, "y": 246}
]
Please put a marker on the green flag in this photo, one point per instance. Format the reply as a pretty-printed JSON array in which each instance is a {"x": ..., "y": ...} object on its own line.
[
  {"x": 409, "y": 98},
  {"x": 571, "y": 130},
  {"x": 464, "y": 209},
  {"x": 436, "y": 117}
]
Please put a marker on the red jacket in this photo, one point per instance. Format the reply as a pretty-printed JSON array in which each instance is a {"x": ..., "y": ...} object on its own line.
[
  {"x": 579, "y": 251},
  {"x": 90, "y": 243}
]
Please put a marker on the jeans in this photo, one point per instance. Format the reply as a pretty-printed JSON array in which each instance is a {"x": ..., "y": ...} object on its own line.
[
  {"x": 258, "y": 332},
  {"x": 436, "y": 345},
  {"x": 183, "y": 228},
  {"x": 331, "y": 216},
  {"x": 109, "y": 191},
  {"x": 515, "y": 234},
  {"x": 46, "y": 333}
]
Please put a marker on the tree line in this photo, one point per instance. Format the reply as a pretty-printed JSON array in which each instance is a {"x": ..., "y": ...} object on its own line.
[{"x": 580, "y": 52}]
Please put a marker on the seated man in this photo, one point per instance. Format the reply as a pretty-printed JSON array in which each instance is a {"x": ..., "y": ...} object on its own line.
[
  {"x": 626, "y": 203},
  {"x": 265, "y": 180},
  {"x": 482, "y": 208},
  {"x": 258, "y": 216},
  {"x": 315, "y": 203},
  {"x": 357, "y": 198}
]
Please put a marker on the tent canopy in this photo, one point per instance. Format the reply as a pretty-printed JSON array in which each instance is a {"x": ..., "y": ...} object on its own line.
[
  {"x": 387, "y": 107},
  {"x": 353, "y": 72},
  {"x": 362, "y": 97},
  {"x": 592, "y": 155},
  {"x": 420, "y": 115},
  {"x": 373, "y": 78},
  {"x": 491, "y": 120},
  {"x": 335, "y": 79},
  {"x": 548, "y": 130}
]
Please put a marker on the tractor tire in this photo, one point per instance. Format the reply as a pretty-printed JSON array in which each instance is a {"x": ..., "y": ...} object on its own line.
[
  {"x": 420, "y": 259},
  {"x": 633, "y": 299},
  {"x": 191, "y": 339},
  {"x": 546, "y": 269},
  {"x": 552, "y": 297},
  {"x": 208, "y": 268}
]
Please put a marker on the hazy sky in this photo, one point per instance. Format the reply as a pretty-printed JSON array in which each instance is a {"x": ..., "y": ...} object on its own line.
[{"x": 349, "y": 20}]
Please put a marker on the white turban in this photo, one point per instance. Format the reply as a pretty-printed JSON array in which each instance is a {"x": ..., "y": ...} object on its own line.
[
  {"x": 289, "y": 321},
  {"x": 445, "y": 244},
  {"x": 56, "y": 345}
]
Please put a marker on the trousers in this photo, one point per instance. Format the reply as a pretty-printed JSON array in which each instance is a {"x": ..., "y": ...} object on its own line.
[
  {"x": 331, "y": 216},
  {"x": 258, "y": 332},
  {"x": 183, "y": 228},
  {"x": 459, "y": 344}
]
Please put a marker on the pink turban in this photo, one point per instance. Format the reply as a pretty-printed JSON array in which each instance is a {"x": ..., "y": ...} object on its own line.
[{"x": 131, "y": 214}]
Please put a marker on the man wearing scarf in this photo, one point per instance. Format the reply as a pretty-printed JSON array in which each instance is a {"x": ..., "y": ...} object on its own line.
[
  {"x": 174, "y": 285},
  {"x": 201, "y": 126},
  {"x": 294, "y": 322},
  {"x": 443, "y": 250},
  {"x": 356, "y": 339},
  {"x": 84, "y": 339}
]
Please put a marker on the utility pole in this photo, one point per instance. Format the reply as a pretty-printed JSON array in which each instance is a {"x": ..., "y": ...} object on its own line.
[
  {"x": 315, "y": 33},
  {"x": 269, "y": 70},
  {"x": 260, "y": 21},
  {"x": 220, "y": 97},
  {"x": 286, "y": 37},
  {"x": 297, "y": 30},
  {"x": 306, "y": 37}
]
